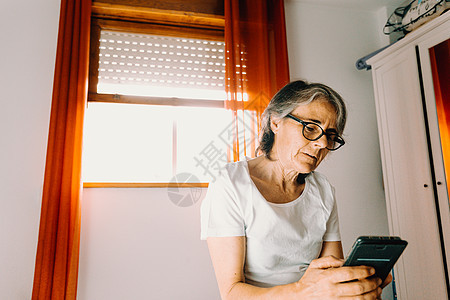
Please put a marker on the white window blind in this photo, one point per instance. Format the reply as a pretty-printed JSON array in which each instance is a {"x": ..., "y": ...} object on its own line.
[{"x": 164, "y": 66}]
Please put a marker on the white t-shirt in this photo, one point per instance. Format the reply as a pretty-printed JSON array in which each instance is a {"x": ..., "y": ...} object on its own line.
[{"x": 282, "y": 239}]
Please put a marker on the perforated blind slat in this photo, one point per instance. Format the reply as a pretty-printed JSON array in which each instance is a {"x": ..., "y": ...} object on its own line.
[{"x": 154, "y": 60}]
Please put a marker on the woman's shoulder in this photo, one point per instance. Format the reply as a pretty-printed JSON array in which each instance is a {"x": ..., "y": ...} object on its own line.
[
  {"x": 237, "y": 166},
  {"x": 321, "y": 190},
  {"x": 234, "y": 170},
  {"x": 319, "y": 180},
  {"x": 232, "y": 173},
  {"x": 317, "y": 176},
  {"x": 230, "y": 185}
]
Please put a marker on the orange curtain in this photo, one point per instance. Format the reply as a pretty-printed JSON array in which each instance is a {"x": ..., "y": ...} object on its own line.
[
  {"x": 56, "y": 269},
  {"x": 440, "y": 66},
  {"x": 256, "y": 65}
]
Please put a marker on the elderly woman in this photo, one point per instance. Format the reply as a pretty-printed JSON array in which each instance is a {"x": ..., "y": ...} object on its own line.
[{"x": 271, "y": 222}]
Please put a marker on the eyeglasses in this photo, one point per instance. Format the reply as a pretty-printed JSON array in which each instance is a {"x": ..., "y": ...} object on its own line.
[{"x": 312, "y": 132}]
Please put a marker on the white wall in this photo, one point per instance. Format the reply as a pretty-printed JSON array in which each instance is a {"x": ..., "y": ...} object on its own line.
[
  {"x": 28, "y": 36},
  {"x": 137, "y": 244}
]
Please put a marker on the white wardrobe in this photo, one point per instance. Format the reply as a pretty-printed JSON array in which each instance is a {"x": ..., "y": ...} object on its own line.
[{"x": 413, "y": 155}]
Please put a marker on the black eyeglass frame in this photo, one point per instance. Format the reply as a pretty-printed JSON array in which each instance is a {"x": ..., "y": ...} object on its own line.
[{"x": 338, "y": 139}]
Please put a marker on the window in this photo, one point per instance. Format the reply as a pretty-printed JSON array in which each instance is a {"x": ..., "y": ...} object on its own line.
[{"x": 156, "y": 103}]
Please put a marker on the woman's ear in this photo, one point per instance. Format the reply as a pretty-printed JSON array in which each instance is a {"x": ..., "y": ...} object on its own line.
[{"x": 275, "y": 124}]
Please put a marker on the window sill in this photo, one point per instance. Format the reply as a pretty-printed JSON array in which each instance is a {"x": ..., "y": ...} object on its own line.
[{"x": 144, "y": 185}]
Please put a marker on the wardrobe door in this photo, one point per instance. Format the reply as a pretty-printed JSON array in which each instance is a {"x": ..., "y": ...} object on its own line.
[
  {"x": 434, "y": 54},
  {"x": 407, "y": 176}
]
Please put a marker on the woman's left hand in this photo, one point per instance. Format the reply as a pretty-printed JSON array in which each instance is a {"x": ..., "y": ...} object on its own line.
[{"x": 386, "y": 282}]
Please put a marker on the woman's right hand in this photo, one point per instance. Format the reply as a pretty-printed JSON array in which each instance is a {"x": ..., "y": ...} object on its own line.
[{"x": 325, "y": 278}]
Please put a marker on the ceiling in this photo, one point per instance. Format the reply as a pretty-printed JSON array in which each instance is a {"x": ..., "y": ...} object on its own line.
[{"x": 371, "y": 5}]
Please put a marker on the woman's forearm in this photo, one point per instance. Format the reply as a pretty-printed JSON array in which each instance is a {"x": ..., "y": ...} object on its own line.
[{"x": 244, "y": 291}]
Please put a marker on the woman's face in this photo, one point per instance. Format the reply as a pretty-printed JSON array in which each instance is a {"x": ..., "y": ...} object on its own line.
[{"x": 291, "y": 148}]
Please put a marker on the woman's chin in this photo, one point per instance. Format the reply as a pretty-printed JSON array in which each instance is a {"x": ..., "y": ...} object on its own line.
[
  {"x": 305, "y": 168},
  {"x": 305, "y": 165}
]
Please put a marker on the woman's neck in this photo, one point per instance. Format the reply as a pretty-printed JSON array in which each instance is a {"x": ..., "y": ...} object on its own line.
[{"x": 272, "y": 172}]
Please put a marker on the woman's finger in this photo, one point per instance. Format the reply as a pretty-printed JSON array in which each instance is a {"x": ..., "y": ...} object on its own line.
[
  {"x": 370, "y": 295},
  {"x": 345, "y": 274},
  {"x": 359, "y": 287},
  {"x": 326, "y": 262}
]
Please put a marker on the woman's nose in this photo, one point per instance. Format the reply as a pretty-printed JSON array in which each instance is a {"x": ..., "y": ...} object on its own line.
[{"x": 322, "y": 142}]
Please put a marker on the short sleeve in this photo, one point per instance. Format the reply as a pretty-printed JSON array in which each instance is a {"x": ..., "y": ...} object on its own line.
[
  {"x": 332, "y": 233},
  {"x": 221, "y": 214}
]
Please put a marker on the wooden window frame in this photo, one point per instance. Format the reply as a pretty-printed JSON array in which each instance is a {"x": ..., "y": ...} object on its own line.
[{"x": 148, "y": 21}]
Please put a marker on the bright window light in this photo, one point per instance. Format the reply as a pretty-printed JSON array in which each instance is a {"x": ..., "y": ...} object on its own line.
[
  {"x": 150, "y": 143},
  {"x": 127, "y": 143}
]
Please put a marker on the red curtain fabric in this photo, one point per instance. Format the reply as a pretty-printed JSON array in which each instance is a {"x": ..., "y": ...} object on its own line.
[
  {"x": 440, "y": 66},
  {"x": 56, "y": 269},
  {"x": 256, "y": 65}
]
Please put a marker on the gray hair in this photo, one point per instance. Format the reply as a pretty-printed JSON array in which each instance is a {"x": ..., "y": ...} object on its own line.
[{"x": 289, "y": 98}]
